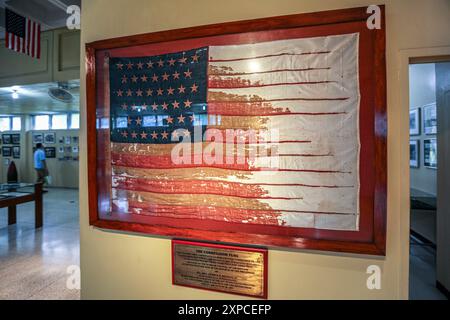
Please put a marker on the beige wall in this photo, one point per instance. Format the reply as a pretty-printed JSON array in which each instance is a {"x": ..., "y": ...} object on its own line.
[
  {"x": 119, "y": 265},
  {"x": 59, "y": 60}
]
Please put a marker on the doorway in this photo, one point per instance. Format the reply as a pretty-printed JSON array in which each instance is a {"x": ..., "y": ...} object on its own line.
[
  {"x": 429, "y": 87},
  {"x": 35, "y": 257}
]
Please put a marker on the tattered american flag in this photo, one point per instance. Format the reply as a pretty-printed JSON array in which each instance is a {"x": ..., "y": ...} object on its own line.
[
  {"x": 306, "y": 89},
  {"x": 22, "y": 34}
]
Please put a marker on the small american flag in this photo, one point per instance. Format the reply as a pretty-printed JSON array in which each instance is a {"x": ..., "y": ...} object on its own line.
[{"x": 22, "y": 34}]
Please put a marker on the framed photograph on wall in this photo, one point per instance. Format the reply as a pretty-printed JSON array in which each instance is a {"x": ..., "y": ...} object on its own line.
[
  {"x": 414, "y": 122},
  {"x": 38, "y": 138},
  {"x": 429, "y": 119},
  {"x": 414, "y": 155},
  {"x": 265, "y": 75},
  {"x": 430, "y": 153},
  {"x": 49, "y": 137},
  {"x": 15, "y": 138},
  {"x": 16, "y": 152},
  {"x": 50, "y": 152},
  {"x": 6, "y": 151},
  {"x": 6, "y": 139}
]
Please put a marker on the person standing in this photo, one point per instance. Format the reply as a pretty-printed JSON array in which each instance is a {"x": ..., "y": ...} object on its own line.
[{"x": 40, "y": 165}]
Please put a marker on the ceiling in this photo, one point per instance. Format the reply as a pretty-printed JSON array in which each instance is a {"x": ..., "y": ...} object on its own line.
[
  {"x": 34, "y": 99},
  {"x": 50, "y": 13}
]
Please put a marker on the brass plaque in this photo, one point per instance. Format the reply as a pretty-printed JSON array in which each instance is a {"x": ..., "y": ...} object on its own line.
[{"x": 220, "y": 268}]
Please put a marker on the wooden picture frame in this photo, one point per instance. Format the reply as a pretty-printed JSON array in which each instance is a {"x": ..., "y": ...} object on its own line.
[
  {"x": 7, "y": 151},
  {"x": 430, "y": 119},
  {"x": 16, "y": 152},
  {"x": 369, "y": 239},
  {"x": 50, "y": 152},
  {"x": 15, "y": 138},
  {"x": 38, "y": 138},
  {"x": 7, "y": 138},
  {"x": 414, "y": 153},
  {"x": 414, "y": 122},
  {"x": 430, "y": 153},
  {"x": 49, "y": 138}
]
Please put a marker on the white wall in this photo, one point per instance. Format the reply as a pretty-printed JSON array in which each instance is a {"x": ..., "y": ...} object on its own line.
[
  {"x": 443, "y": 201},
  {"x": 121, "y": 265},
  {"x": 422, "y": 91}
]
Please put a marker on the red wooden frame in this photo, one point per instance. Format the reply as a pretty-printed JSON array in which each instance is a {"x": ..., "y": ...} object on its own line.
[
  {"x": 221, "y": 246},
  {"x": 371, "y": 239}
]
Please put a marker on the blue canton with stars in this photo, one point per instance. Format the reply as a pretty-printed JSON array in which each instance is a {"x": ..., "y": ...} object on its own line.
[{"x": 153, "y": 97}]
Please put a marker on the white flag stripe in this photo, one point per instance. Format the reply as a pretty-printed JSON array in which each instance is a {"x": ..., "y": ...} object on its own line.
[
  {"x": 297, "y": 127},
  {"x": 292, "y": 46},
  {"x": 319, "y": 221}
]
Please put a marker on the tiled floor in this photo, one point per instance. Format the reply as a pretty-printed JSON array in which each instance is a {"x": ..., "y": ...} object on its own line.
[
  {"x": 33, "y": 263},
  {"x": 424, "y": 223},
  {"x": 422, "y": 276}
]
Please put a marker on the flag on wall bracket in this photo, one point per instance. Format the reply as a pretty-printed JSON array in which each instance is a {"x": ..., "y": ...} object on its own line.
[{"x": 22, "y": 34}]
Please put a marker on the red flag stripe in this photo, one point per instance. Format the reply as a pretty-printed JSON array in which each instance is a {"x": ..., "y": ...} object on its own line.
[
  {"x": 38, "y": 41},
  {"x": 7, "y": 39},
  {"x": 256, "y": 109},
  {"x": 28, "y": 36},
  {"x": 166, "y": 184},
  {"x": 208, "y": 211},
  {"x": 239, "y": 190},
  {"x": 238, "y": 84},
  {"x": 203, "y": 212},
  {"x": 166, "y": 162},
  {"x": 31, "y": 39},
  {"x": 234, "y": 74}
]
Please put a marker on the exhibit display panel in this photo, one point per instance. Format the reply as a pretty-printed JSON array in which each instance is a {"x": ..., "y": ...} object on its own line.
[{"x": 275, "y": 136}]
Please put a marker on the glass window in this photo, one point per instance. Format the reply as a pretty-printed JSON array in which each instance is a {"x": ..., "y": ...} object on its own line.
[
  {"x": 5, "y": 124},
  {"x": 149, "y": 121},
  {"x": 75, "y": 121},
  {"x": 42, "y": 122},
  {"x": 121, "y": 122},
  {"x": 59, "y": 121},
  {"x": 104, "y": 123},
  {"x": 16, "y": 124},
  {"x": 160, "y": 120}
]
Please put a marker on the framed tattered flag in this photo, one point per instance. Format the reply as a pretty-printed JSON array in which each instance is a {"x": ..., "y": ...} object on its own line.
[{"x": 265, "y": 132}]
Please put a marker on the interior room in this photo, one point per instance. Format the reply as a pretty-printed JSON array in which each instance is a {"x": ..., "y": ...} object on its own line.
[
  {"x": 46, "y": 113},
  {"x": 39, "y": 103},
  {"x": 207, "y": 150}
]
